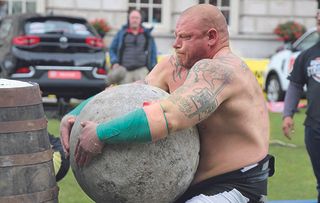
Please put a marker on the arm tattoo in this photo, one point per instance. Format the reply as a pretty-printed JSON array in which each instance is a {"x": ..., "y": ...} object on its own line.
[
  {"x": 178, "y": 68},
  {"x": 202, "y": 101}
]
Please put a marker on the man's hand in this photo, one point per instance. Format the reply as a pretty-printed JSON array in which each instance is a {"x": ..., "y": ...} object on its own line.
[
  {"x": 288, "y": 126},
  {"x": 88, "y": 144},
  {"x": 65, "y": 130}
]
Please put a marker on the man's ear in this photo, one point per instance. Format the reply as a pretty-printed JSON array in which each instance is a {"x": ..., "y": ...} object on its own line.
[{"x": 212, "y": 35}]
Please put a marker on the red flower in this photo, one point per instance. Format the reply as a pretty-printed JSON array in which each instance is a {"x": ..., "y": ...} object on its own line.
[
  {"x": 101, "y": 26},
  {"x": 289, "y": 31}
]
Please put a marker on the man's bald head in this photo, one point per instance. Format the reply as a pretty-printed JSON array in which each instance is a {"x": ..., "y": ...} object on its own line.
[{"x": 208, "y": 17}]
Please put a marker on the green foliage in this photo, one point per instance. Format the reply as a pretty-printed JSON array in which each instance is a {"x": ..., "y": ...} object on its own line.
[{"x": 293, "y": 178}]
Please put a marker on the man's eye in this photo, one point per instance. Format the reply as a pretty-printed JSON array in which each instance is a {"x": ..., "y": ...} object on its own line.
[{"x": 185, "y": 36}]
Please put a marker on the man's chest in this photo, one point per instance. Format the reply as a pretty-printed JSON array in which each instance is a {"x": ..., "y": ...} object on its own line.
[{"x": 176, "y": 79}]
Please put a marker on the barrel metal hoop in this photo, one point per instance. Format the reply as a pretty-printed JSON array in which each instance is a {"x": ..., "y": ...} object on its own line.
[
  {"x": 13, "y": 97},
  {"x": 42, "y": 196},
  {"x": 26, "y": 159},
  {"x": 23, "y": 126}
]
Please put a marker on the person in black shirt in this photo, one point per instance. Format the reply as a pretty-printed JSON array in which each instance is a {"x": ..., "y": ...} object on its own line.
[{"x": 306, "y": 71}]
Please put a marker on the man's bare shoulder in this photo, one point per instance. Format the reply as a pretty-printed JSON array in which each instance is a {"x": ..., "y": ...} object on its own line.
[
  {"x": 229, "y": 66},
  {"x": 217, "y": 68},
  {"x": 159, "y": 74}
]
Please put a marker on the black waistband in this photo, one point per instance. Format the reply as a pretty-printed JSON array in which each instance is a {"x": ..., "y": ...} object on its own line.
[{"x": 261, "y": 171}]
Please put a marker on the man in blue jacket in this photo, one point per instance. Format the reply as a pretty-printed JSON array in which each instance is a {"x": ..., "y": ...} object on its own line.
[{"x": 133, "y": 49}]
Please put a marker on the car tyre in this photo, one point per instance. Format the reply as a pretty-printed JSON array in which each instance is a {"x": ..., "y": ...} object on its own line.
[{"x": 274, "y": 90}]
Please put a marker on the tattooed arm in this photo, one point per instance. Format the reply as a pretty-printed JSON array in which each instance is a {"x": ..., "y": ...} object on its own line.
[{"x": 205, "y": 88}]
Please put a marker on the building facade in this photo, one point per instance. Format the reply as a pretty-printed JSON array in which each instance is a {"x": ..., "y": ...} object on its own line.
[{"x": 251, "y": 22}]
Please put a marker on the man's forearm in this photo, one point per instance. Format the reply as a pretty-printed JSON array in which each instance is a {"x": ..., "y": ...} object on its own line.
[
  {"x": 76, "y": 111},
  {"x": 292, "y": 98},
  {"x": 142, "y": 125}
]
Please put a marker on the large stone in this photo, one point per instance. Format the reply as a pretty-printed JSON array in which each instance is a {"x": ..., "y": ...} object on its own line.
[{"x": 135, "y": 172}]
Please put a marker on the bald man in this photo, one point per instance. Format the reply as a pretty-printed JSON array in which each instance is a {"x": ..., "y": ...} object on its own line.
[{"x": 211, "y": 88}]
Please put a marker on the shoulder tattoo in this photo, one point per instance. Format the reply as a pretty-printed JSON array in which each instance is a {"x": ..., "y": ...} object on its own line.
[{"x": 198, "y": 95}]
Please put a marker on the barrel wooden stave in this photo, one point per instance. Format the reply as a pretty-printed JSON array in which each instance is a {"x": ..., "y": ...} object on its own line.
[{"x": 26, "y": 167}]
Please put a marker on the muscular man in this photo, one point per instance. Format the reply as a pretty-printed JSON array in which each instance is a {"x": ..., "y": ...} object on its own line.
[{"x": 209, "y": 87}]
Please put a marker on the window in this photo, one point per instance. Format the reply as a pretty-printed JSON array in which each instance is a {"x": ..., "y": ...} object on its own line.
[
  {"x": 150, "y": 9},
  {"x": 17, "y": 6},
  {"x": 55, "y": 26},
  {"x": 308, "y": 41},
  {"x": 223, "y": 5}
]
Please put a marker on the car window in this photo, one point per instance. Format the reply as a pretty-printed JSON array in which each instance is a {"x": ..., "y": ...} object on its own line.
[
  {"x": 309, "y": 41},
  {"x": 5, "y": 28},
  {"x": 56, "y": 26}
]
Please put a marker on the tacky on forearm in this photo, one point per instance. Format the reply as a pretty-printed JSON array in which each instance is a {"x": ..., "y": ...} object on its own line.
[{"x": 132, "y": 127}]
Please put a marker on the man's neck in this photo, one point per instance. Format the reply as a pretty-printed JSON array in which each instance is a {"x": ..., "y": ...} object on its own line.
[{"x": 135, "y": 30}]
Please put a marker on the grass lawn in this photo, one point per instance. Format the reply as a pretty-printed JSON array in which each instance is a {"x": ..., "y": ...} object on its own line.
[{"x": 293, "y": 178}]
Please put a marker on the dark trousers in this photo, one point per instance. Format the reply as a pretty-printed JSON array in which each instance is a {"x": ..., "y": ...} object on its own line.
[{"x": 312, "y": 141}]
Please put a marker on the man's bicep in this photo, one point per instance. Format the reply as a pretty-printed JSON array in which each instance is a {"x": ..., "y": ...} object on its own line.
[
  {"x": 202, "y": 92},
  {"x": 194, "y": 103}
]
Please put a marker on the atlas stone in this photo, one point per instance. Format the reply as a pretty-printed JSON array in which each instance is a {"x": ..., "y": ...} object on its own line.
[{"x": 135, "y": 172}]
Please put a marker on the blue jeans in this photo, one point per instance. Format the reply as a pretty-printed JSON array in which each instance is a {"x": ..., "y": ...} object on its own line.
[{"x": 312, "y": 141}]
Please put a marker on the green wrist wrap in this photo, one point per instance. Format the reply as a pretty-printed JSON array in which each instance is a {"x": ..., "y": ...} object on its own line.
[
  {"x": 133, "y": 127},
  {"x": 76, "y": 111}
]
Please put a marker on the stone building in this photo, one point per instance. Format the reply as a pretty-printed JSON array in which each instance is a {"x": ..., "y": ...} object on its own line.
[{"x": 251, "y": 22}]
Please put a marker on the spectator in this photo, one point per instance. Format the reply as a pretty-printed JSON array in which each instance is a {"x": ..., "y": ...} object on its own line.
[
  {"x": 306, "y": 71},
  {"x": 133, "y": 49}
]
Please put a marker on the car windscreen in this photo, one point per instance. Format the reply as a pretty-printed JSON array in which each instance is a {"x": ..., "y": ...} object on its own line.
[
  {"x": 56, "y": 26},
  {"x": 308, "y": 41}
]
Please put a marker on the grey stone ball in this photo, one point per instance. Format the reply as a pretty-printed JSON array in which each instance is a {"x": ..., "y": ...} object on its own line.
[{"x": 135, "y": 172}]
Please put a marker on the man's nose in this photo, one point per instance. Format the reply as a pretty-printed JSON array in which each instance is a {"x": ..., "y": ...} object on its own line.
[{"x": 176, "y": 44}]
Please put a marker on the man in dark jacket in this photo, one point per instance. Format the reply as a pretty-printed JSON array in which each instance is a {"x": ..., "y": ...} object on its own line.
[{"x": 133, "y": 49}]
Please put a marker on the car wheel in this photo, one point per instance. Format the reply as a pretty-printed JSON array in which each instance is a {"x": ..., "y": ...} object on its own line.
[{"x": 274, "y": 90}]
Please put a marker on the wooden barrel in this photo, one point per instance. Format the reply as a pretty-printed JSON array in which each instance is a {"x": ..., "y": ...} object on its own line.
[{"x": 26, "y": 166}]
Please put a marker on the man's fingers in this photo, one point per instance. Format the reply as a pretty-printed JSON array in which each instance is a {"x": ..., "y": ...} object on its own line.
[
  {"x": 288, "y": 135},
  {"x": 71, "y": 120},
  {"x": 287, "y": 130},
  {"x": 77, "y": 149},
  {"x": 87, "y": 159},
  {"x": 65, "y": 143},
  {"x": 81, "y": 158}
]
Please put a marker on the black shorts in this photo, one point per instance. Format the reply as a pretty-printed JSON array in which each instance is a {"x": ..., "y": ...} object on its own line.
[{"x": 251, "y": 183}]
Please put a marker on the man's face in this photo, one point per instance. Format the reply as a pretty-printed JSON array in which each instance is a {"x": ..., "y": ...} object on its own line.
[
  {"x": 190, "y": 42},
  {"x": 134, "y": 19}
]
